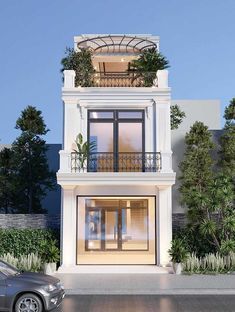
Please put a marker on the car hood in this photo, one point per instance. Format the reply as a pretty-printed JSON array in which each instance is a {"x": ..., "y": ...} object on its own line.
[{"x": 37, "y": 278}]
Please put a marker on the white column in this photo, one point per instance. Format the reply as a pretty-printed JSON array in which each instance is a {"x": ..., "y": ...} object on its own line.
[
  {"x": 163, "y": 135},
  {"x": 164, "y": 224},
  {"x": 68, "y": 225}
]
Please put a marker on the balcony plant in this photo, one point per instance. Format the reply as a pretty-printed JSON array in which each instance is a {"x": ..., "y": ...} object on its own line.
[
  {"x": 81, "y": 63},
  {"x": 83, "y": 150},
  {"x": 178, "y": 254},
  {"x": 147, "y": 65}
]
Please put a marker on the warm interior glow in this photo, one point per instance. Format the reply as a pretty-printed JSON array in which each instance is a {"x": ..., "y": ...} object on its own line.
[{"x": 116, "y": 230}]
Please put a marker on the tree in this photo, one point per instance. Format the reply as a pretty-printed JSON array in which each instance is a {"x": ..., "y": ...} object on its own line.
[
  {"x": 7, "y": 190},
  {"x": 81, "y": 63},
  {"x": 207, "y": 193},
  {"x": 177, "y": 116},
  {"x": 196, "y": 171},
  {"x": 227, "y": 142},
  {"x": 34, "y": 178}
]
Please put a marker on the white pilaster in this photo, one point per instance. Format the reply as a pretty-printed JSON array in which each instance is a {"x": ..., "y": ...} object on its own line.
[
  {"x": 68, "y": 225},
  {"x": 69, "y": 78},
  {"x": 164, "y": 224},
  {"x": 65, "y": 161},
  {"x": 72, "y": 121},
  {"x": 162, "y": 78},
  {"x": 163, "y": 134}
]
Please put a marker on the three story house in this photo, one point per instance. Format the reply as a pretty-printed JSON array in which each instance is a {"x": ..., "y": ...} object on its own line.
[{"x": 117, "y": 199}]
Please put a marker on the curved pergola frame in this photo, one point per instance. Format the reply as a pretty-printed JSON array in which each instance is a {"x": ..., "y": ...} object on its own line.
[{"x": 117, "y": 44}]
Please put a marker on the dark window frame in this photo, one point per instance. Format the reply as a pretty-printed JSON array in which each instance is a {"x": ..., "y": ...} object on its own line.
[{"x": 115, "y": 121}]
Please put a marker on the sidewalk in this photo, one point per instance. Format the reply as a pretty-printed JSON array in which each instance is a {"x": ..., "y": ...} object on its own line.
[{"x": 145, "y": 282}]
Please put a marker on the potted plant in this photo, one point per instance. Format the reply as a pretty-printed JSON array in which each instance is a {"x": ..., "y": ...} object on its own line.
[
  {"x": 178, "y": 254},
  {"x": 51, "y": 256},
  {"x": 83, "y": 150}
]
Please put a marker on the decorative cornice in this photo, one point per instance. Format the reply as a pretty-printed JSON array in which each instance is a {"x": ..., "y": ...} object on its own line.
[{"x": 116, "y": 178}]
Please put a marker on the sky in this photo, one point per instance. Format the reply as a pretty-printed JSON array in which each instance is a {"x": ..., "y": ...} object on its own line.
[{"x": 198, "y": 38}]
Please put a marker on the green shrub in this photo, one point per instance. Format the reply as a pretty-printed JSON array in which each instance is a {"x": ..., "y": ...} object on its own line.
[
  {"x": 194, "y": 241},
  {"x": 31, "y": 262},
  {"x": 19, "y": 242},
  {"x": 210, "y": 264}
]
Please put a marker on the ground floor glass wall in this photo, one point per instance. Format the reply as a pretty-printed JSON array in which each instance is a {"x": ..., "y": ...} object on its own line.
[{"x": 116, "y": 230}]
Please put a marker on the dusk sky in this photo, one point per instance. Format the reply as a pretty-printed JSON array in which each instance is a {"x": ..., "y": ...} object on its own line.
[{"x": 198, "y": 38}]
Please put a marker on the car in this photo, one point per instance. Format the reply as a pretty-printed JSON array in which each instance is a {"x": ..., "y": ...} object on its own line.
[{"x": 27, "y": 291}]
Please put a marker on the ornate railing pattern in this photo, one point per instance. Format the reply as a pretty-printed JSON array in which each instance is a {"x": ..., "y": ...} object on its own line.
[
  {"x": 124, "y": 79},
  {"x": 116, "y": 162}
]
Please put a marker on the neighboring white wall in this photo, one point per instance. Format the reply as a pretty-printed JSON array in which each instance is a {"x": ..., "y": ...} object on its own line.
[{"x": 207, "y": 111}]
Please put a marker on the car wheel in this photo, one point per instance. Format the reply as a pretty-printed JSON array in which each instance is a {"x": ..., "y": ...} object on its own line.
[{"x": 28, "y": 303}]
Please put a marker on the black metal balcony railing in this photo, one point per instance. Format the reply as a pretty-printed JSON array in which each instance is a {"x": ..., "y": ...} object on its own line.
[
  {"x": 123, "y": 79},
  {"x": 119, "y": 162}
]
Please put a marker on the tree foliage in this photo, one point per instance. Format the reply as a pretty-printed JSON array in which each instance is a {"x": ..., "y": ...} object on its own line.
[
  {"x": 25, "y": 177},
  {"x": 81, "y": 63},
  {"x": 207, "y": 193},
  {"x": 7, "y": 189},
  {"x": 177, "y": 116},
  {"x": 227, "y": 142},
  {"x": 33, "y": 177}
]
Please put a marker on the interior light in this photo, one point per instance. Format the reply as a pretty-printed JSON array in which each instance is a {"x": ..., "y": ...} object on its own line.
[{"x": 95, "y": 115}]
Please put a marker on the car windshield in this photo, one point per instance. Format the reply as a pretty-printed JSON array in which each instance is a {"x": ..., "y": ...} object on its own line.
[{"x": 7, "y": 269}]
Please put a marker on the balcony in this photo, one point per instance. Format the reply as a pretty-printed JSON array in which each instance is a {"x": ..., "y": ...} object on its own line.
[
  {"x": 118, "y": 79},
  {"x": 124, "y": 79},
  {"x": 116, "y": 162}
]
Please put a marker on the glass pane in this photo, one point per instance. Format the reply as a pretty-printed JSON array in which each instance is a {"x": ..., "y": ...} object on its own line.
[
  {"x": 100, "y": 115},
  {"x": 102, "y": 158},
  {"x": 130, "y": 156},
  {"x": 130, "y": 137},
  {"x": 93, "y": 229},
  {"x": 102, "y": 135},
  {"x": 129, "y": 114},
  {"x": 135, "y": 229},
  {"x": 111, "y": 229}
]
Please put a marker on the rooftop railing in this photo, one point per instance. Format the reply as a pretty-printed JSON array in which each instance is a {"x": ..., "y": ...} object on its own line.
[
  {"x": 116, "y": 162},
  {"x": 118, "y": 79},
  {"x": 124, "y": 79}
]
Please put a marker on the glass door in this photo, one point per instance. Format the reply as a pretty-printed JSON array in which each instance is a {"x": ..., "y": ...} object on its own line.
[
  {"x": 121, "y": 227},
  {"x": 119, "y": 139}
]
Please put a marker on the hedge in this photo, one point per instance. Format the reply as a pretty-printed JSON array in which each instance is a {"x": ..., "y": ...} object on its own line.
[{"x": 26, "y": 241}]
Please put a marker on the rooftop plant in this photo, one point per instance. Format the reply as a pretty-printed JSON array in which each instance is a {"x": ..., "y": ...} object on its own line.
[
  {"x": 81, "y": 63},
  {"x": 147, "y": 64}
]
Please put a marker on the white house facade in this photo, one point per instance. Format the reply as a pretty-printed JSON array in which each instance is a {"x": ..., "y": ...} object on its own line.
[{"x": 117, "y": 204}]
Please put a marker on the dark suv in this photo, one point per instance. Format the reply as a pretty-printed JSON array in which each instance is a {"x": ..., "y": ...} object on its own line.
[{"x": 28, "y": 292}]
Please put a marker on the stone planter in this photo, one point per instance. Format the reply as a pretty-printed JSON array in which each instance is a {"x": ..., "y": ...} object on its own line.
[
  {"x": 177, "y": 268},
  {"x": 49, "y": 268}
]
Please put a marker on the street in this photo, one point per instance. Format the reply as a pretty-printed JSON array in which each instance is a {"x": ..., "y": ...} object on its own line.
[{"x": 147, "y": 303}]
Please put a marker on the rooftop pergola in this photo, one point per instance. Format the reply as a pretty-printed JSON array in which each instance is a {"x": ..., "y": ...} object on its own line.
[{"x": 116, "y": 44}]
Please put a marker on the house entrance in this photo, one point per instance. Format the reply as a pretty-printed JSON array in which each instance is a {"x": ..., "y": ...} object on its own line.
[
  {"x": 117, "y": 225},
  {"x": 116, "y": 231}
]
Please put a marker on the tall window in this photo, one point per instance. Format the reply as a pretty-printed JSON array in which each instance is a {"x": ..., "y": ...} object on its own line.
[{"x": 117, "y": 134}]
